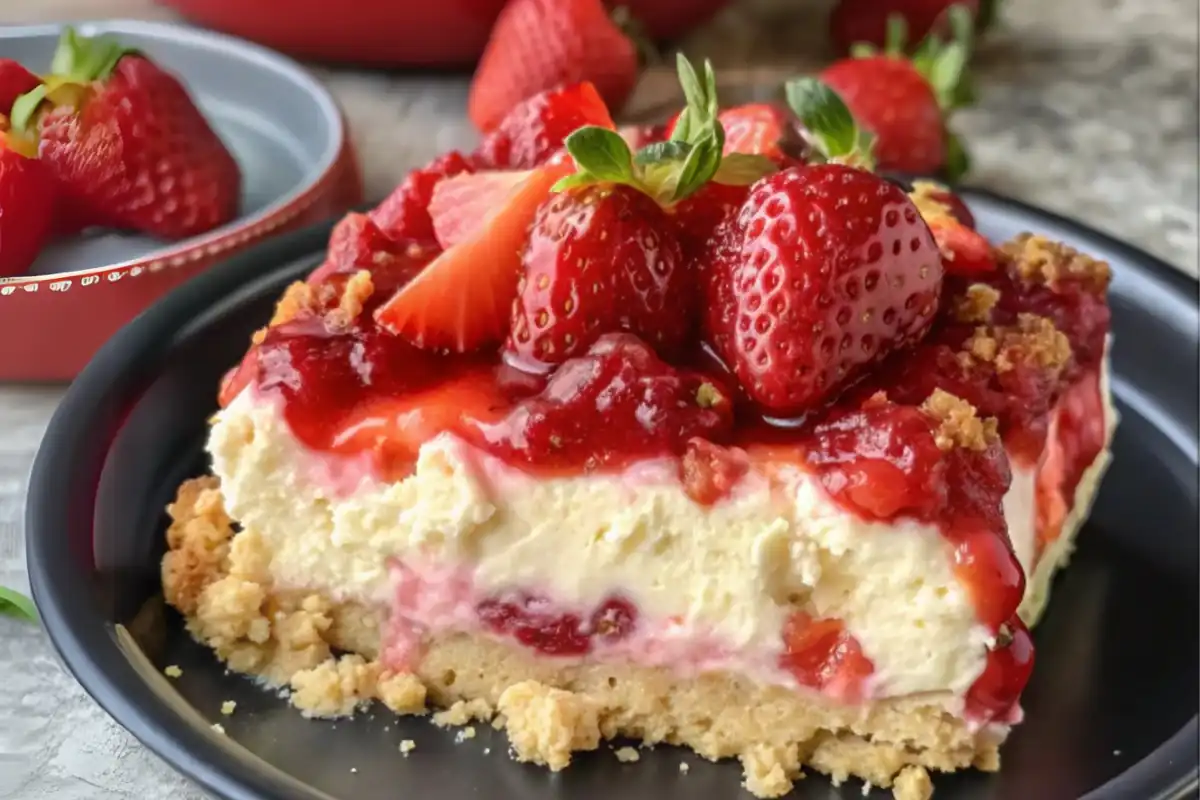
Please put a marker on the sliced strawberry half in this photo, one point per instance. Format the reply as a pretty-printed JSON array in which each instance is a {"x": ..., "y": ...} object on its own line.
[
  {"x": 462, "y": 300},
  {"x": 462, "y": 205}
]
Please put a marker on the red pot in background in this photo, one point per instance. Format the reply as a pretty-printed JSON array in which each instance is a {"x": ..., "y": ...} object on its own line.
[{"x": 416, "y": 33}]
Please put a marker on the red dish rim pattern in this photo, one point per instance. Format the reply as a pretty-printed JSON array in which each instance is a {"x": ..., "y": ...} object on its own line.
[{"x": 208, "y": 247}]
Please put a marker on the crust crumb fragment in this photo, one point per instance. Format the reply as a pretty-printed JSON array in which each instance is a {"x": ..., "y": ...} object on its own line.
[
  {"x": 335, "y": 688},
  {"x": 913, "y": 783},
  {"x": 402, "y": 692},
  {"x": 464, "y": 712},
  {"x": 958, "y": 423},
  {"x": 546, "y": 725},
  {"x": 627, "y": 755},
  {"x": 197, "y": 542},
  {"x": 1039, "y": 260},
  {"x": 770, "y": 771}
]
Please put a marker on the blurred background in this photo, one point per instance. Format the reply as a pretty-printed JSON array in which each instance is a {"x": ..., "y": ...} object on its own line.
[{"x": 1086, "y": 107}]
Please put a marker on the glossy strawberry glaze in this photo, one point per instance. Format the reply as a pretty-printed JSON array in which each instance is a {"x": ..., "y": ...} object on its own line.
[{"x": 360, "y": 390}]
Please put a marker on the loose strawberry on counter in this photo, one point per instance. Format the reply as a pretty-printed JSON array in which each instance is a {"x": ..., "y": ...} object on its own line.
[
  {"x": 539, "y": 45},
  {"x": 26, "y": 204},
  {"x": 126, "y": 145},
  {"x": 905, "y": 102}
]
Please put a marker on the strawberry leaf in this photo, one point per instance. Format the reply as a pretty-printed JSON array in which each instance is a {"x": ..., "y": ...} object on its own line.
[
  {"x": 743, "y": 169},
  {"x": 944, "y": 65},
  {"x": 828, "y": 123},
  {"x": 662, "y": 151},
  {"x": 15, "y": 604},
  {"x": 25, "y": 108},
  {"x": 84, "y": 59},
  {"x": 699, "y": 167},
  {"x": 601, "y": 153}
]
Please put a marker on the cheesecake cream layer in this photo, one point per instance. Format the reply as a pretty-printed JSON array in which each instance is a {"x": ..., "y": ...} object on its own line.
[
  {"x": 713, "y": 585},
  {"x": 727, "y": 576}
]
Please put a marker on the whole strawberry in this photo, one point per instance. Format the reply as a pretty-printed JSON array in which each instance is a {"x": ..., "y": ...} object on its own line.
[
  {"x": 828, "y": 269},
  {"x": 600, "y": 258},
  {"x": 604, "y": 254},
  {"x": 26, "y": 205},
  {"x": 15, "y": 81},
  {"x": 126, "y": 145},
  {"x": 855, "y": 22},
  {"x": 905, "y": 102},
  {"x": 537, "y": 45}
]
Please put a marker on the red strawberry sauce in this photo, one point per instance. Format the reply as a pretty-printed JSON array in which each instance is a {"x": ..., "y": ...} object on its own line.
[{"x": 360, "y": 390}]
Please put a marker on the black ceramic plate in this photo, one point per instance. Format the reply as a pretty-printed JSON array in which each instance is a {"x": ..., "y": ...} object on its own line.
[{"x": 1111, "y": 711}]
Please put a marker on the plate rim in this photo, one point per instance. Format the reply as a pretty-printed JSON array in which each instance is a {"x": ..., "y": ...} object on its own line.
[
  {"x": 238, "y": 231},
  {"x": 76, "y": 633}
]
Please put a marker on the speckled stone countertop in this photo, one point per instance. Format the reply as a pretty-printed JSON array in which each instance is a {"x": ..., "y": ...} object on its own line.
[{"x": 1087, "y": 108}]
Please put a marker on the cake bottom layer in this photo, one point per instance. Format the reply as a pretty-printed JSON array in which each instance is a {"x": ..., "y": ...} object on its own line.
[{"x": 326, "y": 655}]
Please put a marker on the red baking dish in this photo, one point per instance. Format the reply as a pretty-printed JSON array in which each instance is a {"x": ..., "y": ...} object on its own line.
[
  {"x": 443, "y": 33},
  {"x": 297, "y": 165}
]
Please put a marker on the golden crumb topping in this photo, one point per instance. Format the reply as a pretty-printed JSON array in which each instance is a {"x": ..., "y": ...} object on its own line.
[
  {"x": 1033, "y": 341},
  {"x": 1044, "y": 261},
  {"x": 958, "y": 423},
  {"x": 297, "y": 299},
  {"x": 925, "y": 196},
  {"x": 977, "y": 304},
  {"x": 355, "y": 293}
]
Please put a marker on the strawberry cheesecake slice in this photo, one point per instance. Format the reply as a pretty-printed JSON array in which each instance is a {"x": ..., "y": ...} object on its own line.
[{"x": 764, "y": 459}]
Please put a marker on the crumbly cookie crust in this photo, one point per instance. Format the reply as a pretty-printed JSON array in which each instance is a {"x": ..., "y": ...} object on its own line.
[{"x": 326, "y": 654}]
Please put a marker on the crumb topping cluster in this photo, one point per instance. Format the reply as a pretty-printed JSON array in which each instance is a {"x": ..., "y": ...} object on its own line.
[
  {"x": 1037, "y": 259},
  {"x": 1032, "y": 341},
  {"x": 959, "y": 424}
]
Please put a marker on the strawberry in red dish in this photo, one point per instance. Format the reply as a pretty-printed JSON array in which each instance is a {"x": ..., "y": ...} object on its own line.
[
  {"x": 657, "y": 432},
  {"x": 126, "y": 145},
  {"x": 26, "y": 204}
]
